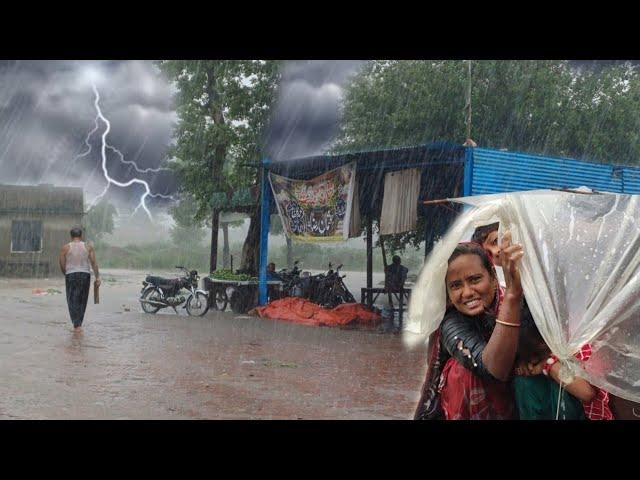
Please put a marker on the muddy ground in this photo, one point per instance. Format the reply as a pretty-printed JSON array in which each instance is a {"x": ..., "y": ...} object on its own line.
[{"x": 132, "y": 365}]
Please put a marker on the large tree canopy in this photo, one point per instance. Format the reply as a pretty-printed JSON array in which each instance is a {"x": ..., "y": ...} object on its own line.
[
  {"x": 534, "y": 106},
  {"x": 223, "y": 107}
]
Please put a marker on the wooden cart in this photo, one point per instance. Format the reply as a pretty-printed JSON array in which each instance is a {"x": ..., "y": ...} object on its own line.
[{"x": 241, "y": 295}]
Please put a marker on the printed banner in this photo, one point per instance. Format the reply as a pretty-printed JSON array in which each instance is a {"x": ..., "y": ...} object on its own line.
[{"x": 318, "y": 209}]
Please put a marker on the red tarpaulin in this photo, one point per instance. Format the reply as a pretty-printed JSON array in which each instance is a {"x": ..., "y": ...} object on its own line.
[{"x": 299, "y": 310}]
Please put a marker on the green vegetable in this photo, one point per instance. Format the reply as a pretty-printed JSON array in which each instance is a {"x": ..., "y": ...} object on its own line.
[{"x": 229, "y": 275}]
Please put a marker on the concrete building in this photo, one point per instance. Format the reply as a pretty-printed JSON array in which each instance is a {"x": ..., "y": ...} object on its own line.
[{"x": 34, "y": 225}]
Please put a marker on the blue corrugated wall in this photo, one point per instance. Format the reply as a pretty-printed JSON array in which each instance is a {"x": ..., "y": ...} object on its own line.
[{"x": 496, "y": 171}]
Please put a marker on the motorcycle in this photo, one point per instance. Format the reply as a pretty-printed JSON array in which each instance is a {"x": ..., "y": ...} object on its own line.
[
  {"x": 328, "y": 290},
  {"x": 333, "y": 290},
  {"x": 290, "y": 281},
  {"x": 159, "y": 292}
]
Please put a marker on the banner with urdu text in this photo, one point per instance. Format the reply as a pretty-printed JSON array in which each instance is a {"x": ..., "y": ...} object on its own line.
[{"x": 318, "y": 209}]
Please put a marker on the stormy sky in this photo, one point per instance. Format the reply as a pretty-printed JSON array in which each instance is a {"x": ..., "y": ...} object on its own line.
[
  {"x": 47, "y": 110},
  {"x": 306, "y": 118}
]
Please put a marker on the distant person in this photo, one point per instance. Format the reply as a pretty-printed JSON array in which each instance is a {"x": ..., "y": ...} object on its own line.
[
  {"x": 395, "y": 275},
  {"x": 76, "y": 258},
  {"x": 271, "y": 272}
]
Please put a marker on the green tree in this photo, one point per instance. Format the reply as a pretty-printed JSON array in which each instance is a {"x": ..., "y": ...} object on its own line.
[
  {"x": 99, "y": 220},
  {"x": 187, "y": 232},
  {"x": 544, "y": 107},
  {"x": 223, "y": 107}
]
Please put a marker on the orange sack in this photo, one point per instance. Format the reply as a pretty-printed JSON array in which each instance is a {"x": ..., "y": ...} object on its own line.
[{"x": 304, "y": 312}]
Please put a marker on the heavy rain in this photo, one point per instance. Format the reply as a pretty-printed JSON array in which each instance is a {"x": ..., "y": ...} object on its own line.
[{"x": 260, "y": 239}]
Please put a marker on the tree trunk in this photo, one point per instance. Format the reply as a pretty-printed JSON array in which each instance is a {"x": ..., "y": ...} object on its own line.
[
  {"x": 214, "y": 241},
  {"x": 289, "y": 253},
  {"x": 225, "y": 246},
  {"x": 217, "y": 163},
  {"x": 251, "y": 248}
]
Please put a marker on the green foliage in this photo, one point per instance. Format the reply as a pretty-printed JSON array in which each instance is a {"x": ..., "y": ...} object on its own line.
[
  {"x": 535, "y": 106},
  {"x": 528, "y": 105},
  {"x": 223, "y": 107},
  {"x": 229, "y": 275},
  {"x": 99, "y": 220}
]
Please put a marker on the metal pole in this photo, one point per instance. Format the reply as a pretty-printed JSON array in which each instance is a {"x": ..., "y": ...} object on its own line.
[
  {"x": 265, "y": 198},
  {"x": 369, "y": 260},
  {"x": 469, "y": 101}
]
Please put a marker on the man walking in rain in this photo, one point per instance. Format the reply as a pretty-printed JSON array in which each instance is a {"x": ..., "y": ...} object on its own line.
[{"x": 76, "y": 258}]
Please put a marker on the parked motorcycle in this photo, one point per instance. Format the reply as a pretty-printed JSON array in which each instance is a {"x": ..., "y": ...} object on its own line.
[
  {"x": 291, "y": 281},
  {"x": 159, "y": 292},
  {"x": 328, "y": 289},
  {"x": 333, "y": 290}
]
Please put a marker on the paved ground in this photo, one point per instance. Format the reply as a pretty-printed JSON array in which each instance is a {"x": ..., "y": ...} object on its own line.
[{"x": 131, "y": 365}]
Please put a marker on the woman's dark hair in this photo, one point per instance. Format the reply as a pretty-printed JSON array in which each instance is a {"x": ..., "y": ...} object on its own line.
[
  {"x": 76, "y": 232},
  {"x": 481, "y": 233},
  {"x": 472, "y": 248}
]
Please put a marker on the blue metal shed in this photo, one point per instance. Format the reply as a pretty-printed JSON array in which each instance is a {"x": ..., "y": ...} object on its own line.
[
  {"x": 498, "y": 171},
  {"x": 448, "y": 170}
]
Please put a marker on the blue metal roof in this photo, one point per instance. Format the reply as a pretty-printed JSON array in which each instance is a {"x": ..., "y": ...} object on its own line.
[{"x": 496, "y": 171}]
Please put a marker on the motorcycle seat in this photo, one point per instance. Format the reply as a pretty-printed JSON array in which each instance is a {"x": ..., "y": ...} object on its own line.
[{"x": 161, "y": 281}]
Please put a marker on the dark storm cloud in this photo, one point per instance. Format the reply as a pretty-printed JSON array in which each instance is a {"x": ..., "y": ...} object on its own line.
[
  {"x": 47, "y": 110},
  {"x": 307, "y": 114}
]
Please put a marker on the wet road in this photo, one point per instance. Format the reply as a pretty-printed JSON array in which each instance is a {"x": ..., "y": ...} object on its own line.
[{"x": 131, "y": 365}]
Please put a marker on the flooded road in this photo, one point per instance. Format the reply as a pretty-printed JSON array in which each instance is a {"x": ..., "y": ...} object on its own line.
[{"x": 132, "y": 365}]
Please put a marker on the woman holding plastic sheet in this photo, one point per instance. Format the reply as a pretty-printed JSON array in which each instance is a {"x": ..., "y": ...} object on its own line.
[{"x": 474, "y": 349}]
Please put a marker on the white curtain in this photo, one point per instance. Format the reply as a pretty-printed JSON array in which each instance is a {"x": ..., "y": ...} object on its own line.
[
  {"x": 580, "y": 275},
  {"x": 400, "y": 201}
]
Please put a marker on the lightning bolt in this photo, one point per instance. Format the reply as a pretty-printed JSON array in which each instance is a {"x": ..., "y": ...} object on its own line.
[{"x": 103, "y": 152}]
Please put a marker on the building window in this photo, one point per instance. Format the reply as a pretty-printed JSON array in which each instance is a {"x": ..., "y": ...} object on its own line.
[{"x": 26, "y": 236}]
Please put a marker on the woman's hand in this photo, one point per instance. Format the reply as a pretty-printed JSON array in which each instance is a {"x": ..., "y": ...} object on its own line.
[{"x": 510, "y": 255}]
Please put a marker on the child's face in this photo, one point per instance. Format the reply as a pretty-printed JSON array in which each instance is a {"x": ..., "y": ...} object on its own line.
[{"x": 491, "y": 244}]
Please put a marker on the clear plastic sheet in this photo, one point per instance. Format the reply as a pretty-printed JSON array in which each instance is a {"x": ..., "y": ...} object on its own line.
[{"x": 580, "y": 275}]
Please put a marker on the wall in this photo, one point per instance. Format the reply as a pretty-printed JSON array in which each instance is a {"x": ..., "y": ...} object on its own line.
[{"x": 44, "y": 264}]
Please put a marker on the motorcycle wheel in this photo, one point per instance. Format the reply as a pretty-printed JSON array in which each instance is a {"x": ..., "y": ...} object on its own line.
[
  {"x": 198, "y": 304},
  {"x": 147, "y": 308},
  {"x": 221, "y": 300}
]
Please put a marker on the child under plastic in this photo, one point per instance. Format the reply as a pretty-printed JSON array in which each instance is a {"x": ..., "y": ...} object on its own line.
[{"x": 537, "y": 384}]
